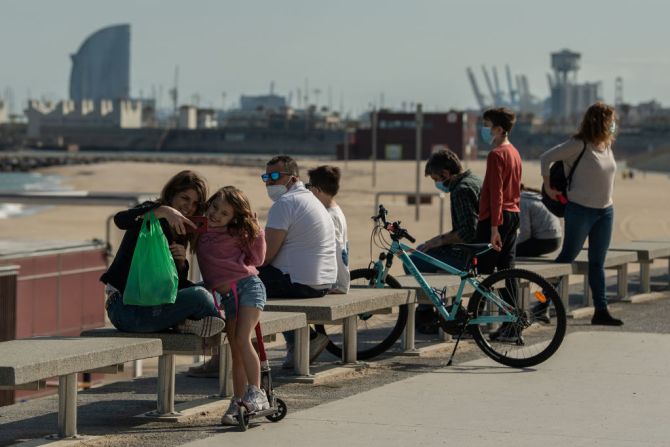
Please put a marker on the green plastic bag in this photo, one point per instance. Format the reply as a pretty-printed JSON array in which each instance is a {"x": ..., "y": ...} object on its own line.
[{"x": 153, "y": 278}]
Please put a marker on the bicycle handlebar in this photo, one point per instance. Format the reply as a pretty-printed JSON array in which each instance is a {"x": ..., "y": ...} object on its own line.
[{"x": 394, "y": 228}]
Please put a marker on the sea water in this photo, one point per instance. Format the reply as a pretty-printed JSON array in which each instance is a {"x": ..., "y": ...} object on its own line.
[{"x": 16, "y": 182}]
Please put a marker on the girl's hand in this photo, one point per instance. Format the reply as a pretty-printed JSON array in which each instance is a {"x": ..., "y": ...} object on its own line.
[
  {"x": 178, "y": 253},
  {"x": 176, "y": 219}
]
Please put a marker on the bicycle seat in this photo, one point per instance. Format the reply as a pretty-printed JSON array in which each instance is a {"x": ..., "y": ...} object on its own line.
[{"x": 472, "y": 249}]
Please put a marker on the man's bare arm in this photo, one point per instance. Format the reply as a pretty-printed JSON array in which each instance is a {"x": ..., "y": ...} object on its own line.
[{"x": 274, "y": 239}]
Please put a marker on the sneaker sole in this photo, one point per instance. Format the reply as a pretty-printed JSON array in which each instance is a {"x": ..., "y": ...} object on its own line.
[
  {"x": 228, "y": 420},
  {"x": 205, "y": 327}
]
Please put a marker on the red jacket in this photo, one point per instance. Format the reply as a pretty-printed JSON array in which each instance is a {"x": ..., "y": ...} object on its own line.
[{"x": 501, "y": 190}]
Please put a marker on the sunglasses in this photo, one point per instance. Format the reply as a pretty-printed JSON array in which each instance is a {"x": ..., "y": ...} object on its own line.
[{"x": 274, "y": 176}]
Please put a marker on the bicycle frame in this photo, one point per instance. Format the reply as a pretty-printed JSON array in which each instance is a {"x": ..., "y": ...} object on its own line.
[{"x": 400, "y": 250}]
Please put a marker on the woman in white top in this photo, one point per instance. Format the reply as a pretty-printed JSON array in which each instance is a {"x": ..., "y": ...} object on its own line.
[
  {"x": 589, "y": 212},
  {"x": 324, "y": 182}
]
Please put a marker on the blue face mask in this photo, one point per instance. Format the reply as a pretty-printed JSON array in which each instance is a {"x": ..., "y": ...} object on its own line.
[
  {"x": 486, "y": 135},
  {"x": 613, "y": 127},
  {"x": 441, "y": 186}
]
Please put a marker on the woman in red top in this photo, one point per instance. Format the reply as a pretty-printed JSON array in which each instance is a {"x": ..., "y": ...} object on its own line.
[{"x": 499, "y": 199}]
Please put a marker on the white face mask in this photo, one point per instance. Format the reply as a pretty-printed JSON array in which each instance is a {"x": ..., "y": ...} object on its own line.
[{"x": 276, "y": 191}]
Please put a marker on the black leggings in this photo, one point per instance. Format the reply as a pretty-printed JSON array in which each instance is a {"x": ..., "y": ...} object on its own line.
[{"x": 532, "y": 247}]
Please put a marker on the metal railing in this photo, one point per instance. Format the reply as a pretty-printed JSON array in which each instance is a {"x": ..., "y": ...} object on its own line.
[{"x": 440, "y": 195}]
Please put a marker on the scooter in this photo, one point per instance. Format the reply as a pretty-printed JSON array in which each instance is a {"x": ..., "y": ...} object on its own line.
[{"x": 277, "y": 410}]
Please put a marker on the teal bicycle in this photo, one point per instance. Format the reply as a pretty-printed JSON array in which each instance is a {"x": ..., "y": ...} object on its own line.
[{"x": 498, "y": 316}]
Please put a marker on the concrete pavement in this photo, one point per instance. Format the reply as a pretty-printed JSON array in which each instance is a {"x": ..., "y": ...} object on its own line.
[{"x": 601, "y": 388}]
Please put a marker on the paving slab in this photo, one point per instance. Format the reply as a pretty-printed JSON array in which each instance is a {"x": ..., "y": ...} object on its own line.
[{"x": 601, "y": 388}]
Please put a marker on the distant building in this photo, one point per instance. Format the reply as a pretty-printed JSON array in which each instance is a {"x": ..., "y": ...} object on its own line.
[
  {"x": 396, "y": 136},
  {"x": 87, "y": 114},
  {"x": 191, "y": 117},
  {"x": 3, "y": 113},
  {"x": 262, "y": 102},
  {"x": 569, "y": 99},
  {"x": 101, "y": 67}
]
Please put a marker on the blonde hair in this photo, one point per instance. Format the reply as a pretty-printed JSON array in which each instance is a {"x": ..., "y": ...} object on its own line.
[{"x": 244, "y": 223}]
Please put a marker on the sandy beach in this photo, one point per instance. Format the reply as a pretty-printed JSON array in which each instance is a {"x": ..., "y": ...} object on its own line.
[{"x": 641, "y": 208}]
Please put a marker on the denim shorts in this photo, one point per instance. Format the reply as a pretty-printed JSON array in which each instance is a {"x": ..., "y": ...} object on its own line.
[{"x": 250, "y": 293}]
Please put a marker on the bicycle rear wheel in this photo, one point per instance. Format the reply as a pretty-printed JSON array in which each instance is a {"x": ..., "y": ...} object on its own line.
[
  {"x": 377, "y": 331},
  {"x": 533, "y": 337}
]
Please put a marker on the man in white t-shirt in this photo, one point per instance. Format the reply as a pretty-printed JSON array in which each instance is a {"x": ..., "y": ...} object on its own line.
[
  {"x": 300, "y": 261},
  {"x": 324, "y": 182}
]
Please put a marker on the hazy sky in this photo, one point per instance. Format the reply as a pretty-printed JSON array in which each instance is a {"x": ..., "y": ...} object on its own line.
[{"x": 411, "y": 50}]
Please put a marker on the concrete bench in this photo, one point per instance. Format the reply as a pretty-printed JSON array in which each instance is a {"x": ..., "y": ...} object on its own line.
[
  {"x": 449, "y": 283},
  {"x": 332, "y": 309},
  {"x": 614, "y": 260},
  {"x": 28, "y": 362},
  {"x": 647, "y": 252},
  {"x": 189, "y": 344},
  {"x": 554, "y": 272}
]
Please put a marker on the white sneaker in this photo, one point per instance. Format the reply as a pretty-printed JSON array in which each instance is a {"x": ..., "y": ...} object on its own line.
[
  {"x": 228, "y": 417},
  {"x": 205, "y": 327},
  {"x": 317, "y": 345},
  {"x": 255, "y": 399}
]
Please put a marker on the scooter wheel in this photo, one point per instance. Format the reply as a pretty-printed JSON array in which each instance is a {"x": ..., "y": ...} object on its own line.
[
  {"x": 279, "y": 413},
  {"x": 243, "y": 418}
]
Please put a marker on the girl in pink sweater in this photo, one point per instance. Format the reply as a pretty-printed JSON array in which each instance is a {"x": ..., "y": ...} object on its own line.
[{"x": 228, "y": 254}]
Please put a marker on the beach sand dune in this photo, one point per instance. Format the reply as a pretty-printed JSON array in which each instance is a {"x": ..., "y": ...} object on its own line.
[{"x": 641, "y": 204}]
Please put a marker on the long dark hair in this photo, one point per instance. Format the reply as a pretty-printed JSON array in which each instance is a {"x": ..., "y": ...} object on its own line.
[
  {"x": 180, "y": 182},
  {"x": 183, "y": 181},
  {"x": 244, "y": 224}
]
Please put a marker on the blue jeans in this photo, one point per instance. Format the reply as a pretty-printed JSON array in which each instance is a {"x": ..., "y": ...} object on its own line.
[
  {"x": 596, "y": 224},
  {"x": 250, "y": 293},
  {"x": 193, "y": 302}
]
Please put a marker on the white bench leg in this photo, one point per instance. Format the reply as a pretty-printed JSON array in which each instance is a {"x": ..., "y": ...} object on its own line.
[
  {"x": 408, "y": 336},
  {"x": 350, "y": 332},
  {"x": 225, "y": 371},
  {"x": 622, "y": 281},
  {"x": 67, "y": 406},
  {"x": 564, "y": 291},
  {"x": 301, "y": 351},
  {"x": 645, "y": 274},
  {"x": 137, "y": 368},
  {"x": 587, "y": 291},
  {"x": 166, "y": 381}
]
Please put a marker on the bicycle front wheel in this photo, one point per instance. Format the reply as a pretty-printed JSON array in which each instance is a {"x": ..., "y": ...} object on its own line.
[
  {"x": 377, "y": 331},
  {"x": 540, "y": 322}
]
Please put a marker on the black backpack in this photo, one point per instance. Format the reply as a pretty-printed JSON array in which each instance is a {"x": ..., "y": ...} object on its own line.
[{"x": 560, "y": 182}]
